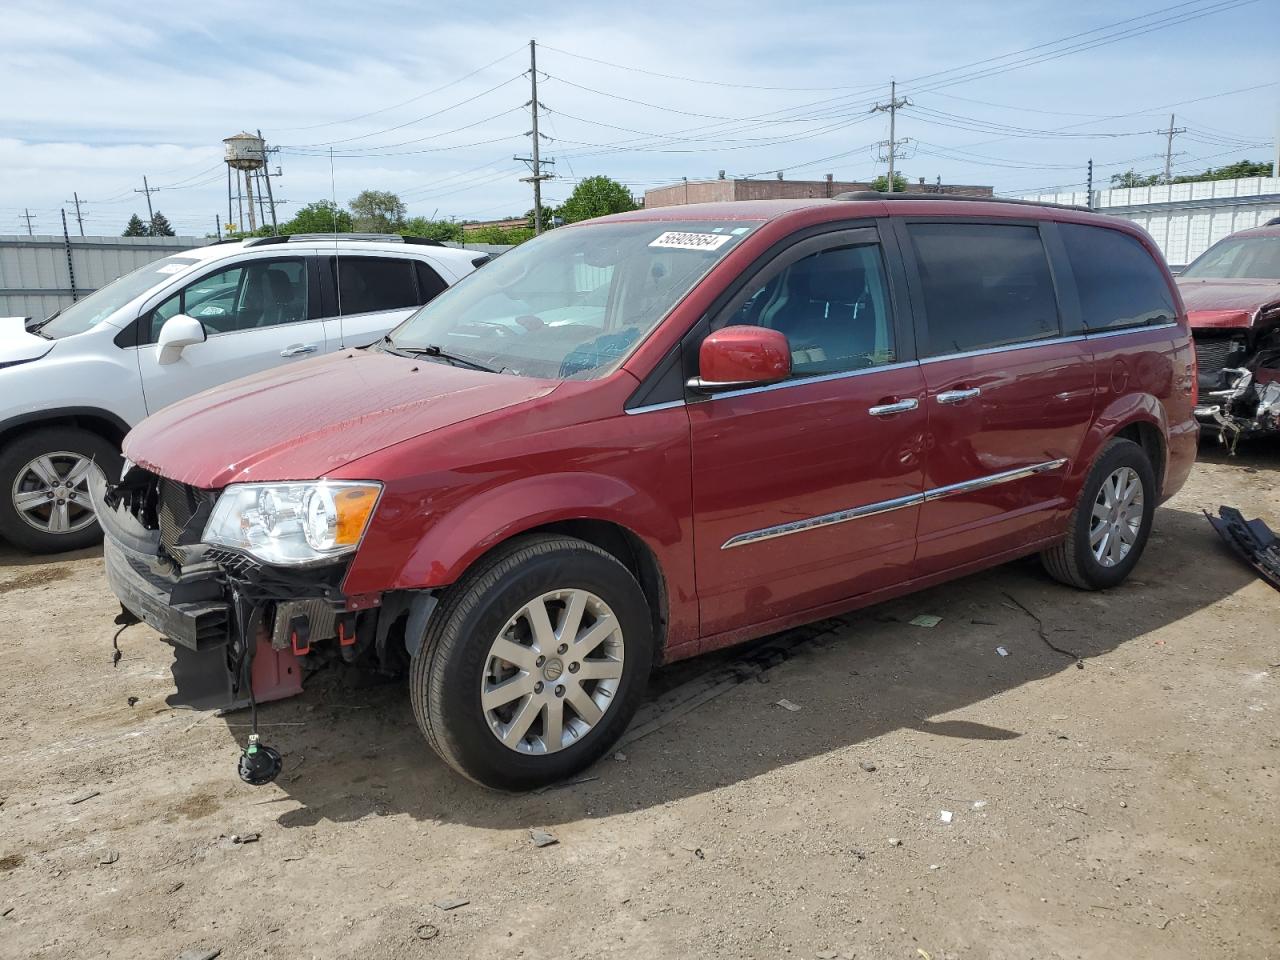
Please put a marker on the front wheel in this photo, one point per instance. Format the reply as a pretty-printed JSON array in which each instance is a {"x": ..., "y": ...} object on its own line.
[
  {"x": 534, "y": 663},
  {"x": 44, "y": 488},
  {"x": 1111, "y": 522}
]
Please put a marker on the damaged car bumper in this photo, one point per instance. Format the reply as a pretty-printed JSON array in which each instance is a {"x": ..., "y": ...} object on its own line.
[{"x": 237, "y": 627}]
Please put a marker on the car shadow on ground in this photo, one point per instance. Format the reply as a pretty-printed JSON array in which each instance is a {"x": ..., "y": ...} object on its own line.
[{"x": 351, "y": 753}]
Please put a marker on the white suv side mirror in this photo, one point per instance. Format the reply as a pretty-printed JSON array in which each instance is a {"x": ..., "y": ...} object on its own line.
[{"x": 178, "y": 332}]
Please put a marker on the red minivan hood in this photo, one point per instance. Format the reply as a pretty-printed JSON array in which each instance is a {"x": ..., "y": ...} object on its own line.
[
  {"x": 1225, "y": 303},
  {"x": 308, "y": 419}
]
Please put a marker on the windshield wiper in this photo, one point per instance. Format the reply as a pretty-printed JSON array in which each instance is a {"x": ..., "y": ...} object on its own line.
[{"x": 433, "y": 350}]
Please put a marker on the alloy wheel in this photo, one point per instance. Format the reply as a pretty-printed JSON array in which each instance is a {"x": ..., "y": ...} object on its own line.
[
  {"x": 1117, "y": 516},
  {"x": 552, "y": 672},
  {"x": 51, "y": 493}
]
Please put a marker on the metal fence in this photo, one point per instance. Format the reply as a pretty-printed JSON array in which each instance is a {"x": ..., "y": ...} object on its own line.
[
  {"x": 1185, "y": 219},
  {"x": 44, "y": 273}
]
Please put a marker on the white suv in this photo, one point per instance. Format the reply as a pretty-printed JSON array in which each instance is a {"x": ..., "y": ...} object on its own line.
[{"x": 73, "y": 385}]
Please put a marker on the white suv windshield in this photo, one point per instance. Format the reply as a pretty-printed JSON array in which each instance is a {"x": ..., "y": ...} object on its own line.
[
  {"x": 97, "y": 306},
  {"x": 573, "y": 302}
]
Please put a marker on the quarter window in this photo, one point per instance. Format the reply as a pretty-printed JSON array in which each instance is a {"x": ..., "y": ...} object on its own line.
[
  {"x": 1118, "y": 283},
  {"x": 833, "y": 307},
  {"x": 371, "y": 284},
  {"x": 984, "y": 285}
]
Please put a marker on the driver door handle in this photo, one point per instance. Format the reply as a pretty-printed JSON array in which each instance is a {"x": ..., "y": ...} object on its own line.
[
  {"x": 889, "y": 409},
  {"x": 297, "y": 349},
  {"x": 958, "y": 396}
]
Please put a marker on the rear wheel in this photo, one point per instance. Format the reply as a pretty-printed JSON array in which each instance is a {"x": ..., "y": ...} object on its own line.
[
  {"x": 1109, "y": 526},
  {"x": 44, "y": 488},
  {"x": 534, "y": 663}
]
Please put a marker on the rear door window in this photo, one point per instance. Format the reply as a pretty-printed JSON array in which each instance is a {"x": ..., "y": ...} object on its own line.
[
  {"x": 1118, "y": 283},
  {"x": 372, "y": 284},
  {"x": 430, "y": 283},
  {"x": 984, "y": 285}
]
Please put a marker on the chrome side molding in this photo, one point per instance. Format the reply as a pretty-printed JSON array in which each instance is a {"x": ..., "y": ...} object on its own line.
[{"x": 885, "y": 506}]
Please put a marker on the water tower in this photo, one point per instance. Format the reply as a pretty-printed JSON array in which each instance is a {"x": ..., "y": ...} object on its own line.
[{"x": 246, "y": 154}]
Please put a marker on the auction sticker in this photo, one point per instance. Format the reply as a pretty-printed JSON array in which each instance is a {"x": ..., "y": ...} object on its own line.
[{"x": 675, "y": 240}]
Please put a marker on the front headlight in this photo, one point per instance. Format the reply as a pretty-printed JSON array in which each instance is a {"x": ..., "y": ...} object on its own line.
[{"x": 293, "y": 523}]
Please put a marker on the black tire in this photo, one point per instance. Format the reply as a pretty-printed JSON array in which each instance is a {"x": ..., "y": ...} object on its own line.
[
  {"x": 25, "y": 448},
  {"x": 1072, "y": 561},
  {"x": 446, "y": 675}
]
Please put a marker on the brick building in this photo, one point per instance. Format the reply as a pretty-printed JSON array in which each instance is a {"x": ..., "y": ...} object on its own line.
[{"x": 708, "y": 191}]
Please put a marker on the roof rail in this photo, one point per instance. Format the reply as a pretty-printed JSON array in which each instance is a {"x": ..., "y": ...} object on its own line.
[
  {"x": 877, "y": 195},
  {"x": 383, "y": 237}
]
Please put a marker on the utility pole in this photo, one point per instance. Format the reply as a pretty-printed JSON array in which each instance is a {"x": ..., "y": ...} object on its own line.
[
  {"x": 271, "y": 198},
  {"x": 148, "y": 191},
  {"x": 66, "y": 245},
  {"x": 79, "y": 219},
  {"x": 27, "y": 215},
  {"x": 534, "y": 160},
  {"x": 217, "y": 224},
  {"x": 1168, "y": 149},
  {"x": 895, "y": 104},
  {"x": 1089, "y": 185}
]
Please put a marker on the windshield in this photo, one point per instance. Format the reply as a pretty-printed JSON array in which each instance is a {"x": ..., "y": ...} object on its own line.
[
  {"x": 573, "y": 302},
  {"x": 1245, "y": 258},
  {"x": 97, "y": 306}
]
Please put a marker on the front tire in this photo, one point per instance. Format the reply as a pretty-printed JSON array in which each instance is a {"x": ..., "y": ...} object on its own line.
[
  {"x": 534, "y": 663},
  {"x": 44, "y": 492},
  {"x": 1109, "y": 527}
]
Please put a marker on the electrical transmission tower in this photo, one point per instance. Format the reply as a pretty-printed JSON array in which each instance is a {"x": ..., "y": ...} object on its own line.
[
  {"x": 534, "y": 159},
  {"x": 891, "y": 145}
]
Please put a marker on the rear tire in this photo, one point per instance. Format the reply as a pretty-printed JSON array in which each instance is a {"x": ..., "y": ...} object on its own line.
[
  {"x": 44, "y": 498},
  {"x": 575, "y": 677},
  {"x": 1110, "y": 524}
]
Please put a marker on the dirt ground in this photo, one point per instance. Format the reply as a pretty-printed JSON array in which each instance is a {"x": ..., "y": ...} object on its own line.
[{"x": 1124, "y": 810}]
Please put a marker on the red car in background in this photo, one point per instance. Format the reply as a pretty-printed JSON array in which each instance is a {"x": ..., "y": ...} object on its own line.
[
  {"x": 1232, "y": 293},
  {"x": 652, "y": 435}
]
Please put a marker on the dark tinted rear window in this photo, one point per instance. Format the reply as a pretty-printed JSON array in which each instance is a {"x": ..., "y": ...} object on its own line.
[
  {"x": 368, "y": 284},
  {"x": 1118, "y": 283},
  {"x": 985, "y": 285}
]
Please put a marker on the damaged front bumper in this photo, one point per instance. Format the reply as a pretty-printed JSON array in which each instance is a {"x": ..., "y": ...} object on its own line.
[
  {"x": 237, "y": 627},
  {"x": 1245, "y": 408}
]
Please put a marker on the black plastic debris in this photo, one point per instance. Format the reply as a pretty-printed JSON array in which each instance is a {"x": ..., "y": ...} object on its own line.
[{"x": 1252, "y": 540}]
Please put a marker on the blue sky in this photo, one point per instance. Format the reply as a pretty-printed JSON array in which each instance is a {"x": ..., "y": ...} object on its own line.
[{"x": 97, "y": 94}]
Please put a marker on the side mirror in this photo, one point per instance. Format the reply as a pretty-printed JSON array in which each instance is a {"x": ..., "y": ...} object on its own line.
[
  {"x": 737, "y": 357},
  {"x": 178, "y": 333}
]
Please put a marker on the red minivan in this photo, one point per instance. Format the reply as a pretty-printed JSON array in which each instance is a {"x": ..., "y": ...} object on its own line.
[{"x": 651, "y": 435}]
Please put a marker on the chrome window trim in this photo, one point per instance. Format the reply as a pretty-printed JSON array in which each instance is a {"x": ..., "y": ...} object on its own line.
[
  {"x": 885, "y": 506},
  {"x": 1100, "y": 334},
  {"x": 1006, "y": 348},
  {"x": 818, "y": 378},
  {"x": 651, "y": 407}
]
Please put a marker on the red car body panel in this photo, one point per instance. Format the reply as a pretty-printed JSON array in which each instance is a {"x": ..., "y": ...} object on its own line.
[
  {"x": 1227, "y": 304},
  {"x": 469, "y": 459}
]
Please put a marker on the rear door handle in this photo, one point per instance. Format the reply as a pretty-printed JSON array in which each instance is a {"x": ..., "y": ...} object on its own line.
[
  {"x": 889, "y": 409},
  {"x": 958, "y": 396},
  {"x": 297, "y": 349}
]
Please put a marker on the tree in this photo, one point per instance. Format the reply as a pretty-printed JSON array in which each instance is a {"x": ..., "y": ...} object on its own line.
[
  {"x": 433, "y": 229},
  {"x": 322, "y": 216},
  {"x": 548, "y": 214},
  {"x": 135, "y": 227},
  {"x": 500, "y": 235},
  {"x": 881, "y": 183},
  {"x": 596, "y": 197},
  {"x": 159, "y": 226},
  {"x": 378, "y": 211},
  {"x": 1233, "y": 171},
  {"x": 1131, "y": 178}
]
